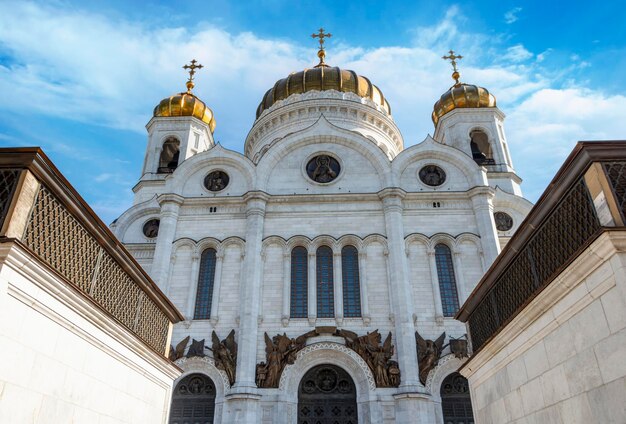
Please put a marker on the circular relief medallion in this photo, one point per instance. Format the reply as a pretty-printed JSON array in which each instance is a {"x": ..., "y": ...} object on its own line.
[
  {"x": 432, "y": 175},
  {"x": 326, "y": 380},
  {"x": 323, "y": 169},
  {"x": 151, "y": 228},
  {"x": 216, "y": 181},
  {"x": 504, "y": 222}
]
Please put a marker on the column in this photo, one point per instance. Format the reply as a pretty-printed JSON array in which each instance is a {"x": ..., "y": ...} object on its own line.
[
  {"x": 401, "y": 299},
  {"x": 483, "y": 210},
  {"x": 242, "y": 402},
  {"x": 460, "y": 278},
  {"x": 170, "y": 205},
  {"x": 434, "y": 279},
  {"x": 312, "y": 289},
  {"x": 286, "y": 288},
  {"x": 365, "y": 310},
  {"x": 338, "y": 287},
  {"x": 217, "y": 285}
]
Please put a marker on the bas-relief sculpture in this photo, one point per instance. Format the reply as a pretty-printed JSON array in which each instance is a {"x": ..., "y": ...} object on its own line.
[
  {"x": 428, "y": 354},
  {"x": 224, "y": 352},
  {"x": 378, "y": 357}
]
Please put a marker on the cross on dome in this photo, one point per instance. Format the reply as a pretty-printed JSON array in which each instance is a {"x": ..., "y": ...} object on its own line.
[
  {"x": 321, "y": 53},
  {"x": 192, "y": 71},
  {"x": 452, "y": 57}
]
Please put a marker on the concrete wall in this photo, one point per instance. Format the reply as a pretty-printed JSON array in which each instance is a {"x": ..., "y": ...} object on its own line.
[
  {"x": 63, "y": 360},
  {"x": 563, "y": 359}
]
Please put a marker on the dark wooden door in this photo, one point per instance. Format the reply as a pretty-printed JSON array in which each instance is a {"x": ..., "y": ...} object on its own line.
[
  {"x": 327, "y": 395},
  {"x": 193, "y": 401},
  {"x": 455, "y": 400}
]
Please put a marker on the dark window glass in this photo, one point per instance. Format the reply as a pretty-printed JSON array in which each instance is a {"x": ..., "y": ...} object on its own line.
[
  {"x": 299, "y": 283},
  {"x": 351, "y": 286},
  {"x": 325, "y": 291},
  {"x": 456, "y": 403},
  {"x": 447, "y": 282},
  {"x": 204, "y": 295}
]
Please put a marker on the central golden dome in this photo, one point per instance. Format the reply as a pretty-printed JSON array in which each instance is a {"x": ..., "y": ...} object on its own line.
[{"x": 323, "y": 78}]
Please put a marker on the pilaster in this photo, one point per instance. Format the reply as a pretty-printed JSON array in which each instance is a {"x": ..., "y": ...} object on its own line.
[
  {"x": 170, "y": 206},
  {"x": 482, "y": 202}
]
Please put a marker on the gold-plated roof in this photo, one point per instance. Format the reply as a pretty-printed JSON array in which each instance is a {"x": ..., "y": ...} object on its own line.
[
  {"x": 461, "y": 95},
  {"x": 319, "y": 79},
  {"x": 187, "y": 104}
]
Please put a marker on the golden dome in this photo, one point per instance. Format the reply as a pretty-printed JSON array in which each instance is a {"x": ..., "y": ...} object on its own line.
[
  {"x": 462, "y": 96},
  {"x": 186, "y": 104},
  {"x": 322, "y": 78}
]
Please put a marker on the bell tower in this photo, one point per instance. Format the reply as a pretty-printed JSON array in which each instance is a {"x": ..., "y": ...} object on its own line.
[
  {"x": 182, "y": 126},
  {"x": 466, "y": 117}
]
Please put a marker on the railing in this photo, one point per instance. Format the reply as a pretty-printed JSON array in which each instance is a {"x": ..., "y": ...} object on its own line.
[
  {"x": 78, "y": 247},
  {"x": 587, "y": 195}
]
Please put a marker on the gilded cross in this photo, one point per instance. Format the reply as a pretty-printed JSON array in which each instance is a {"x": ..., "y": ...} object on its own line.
[
  {"x": 192, "y": 71},
  {"x": 453, "y": 58},
  {"x": 320, "y": 34}
]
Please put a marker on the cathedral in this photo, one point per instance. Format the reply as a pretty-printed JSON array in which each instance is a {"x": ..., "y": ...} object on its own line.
[{"x": 320, "y": 271}]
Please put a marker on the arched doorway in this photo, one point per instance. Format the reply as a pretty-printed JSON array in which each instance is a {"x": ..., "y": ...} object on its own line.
[
  {"x": 455, "y": 400},
  {"x": 327, "y": 395},
  {"x": 193, "y": 400}
]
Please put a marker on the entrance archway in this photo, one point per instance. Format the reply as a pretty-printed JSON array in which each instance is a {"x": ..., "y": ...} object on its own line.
[
  {"x": 193, "y": 400},
  {"x": 327, "y": 395},
  {"x": 456, "y": 403}
]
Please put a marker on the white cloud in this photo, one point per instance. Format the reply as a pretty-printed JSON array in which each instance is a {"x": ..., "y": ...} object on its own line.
[
  {"x": 517, "y": 53},
  {"x": 511, "y": 15}
]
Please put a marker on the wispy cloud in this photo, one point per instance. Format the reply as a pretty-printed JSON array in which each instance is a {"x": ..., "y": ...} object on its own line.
[
  {"x": 517, "y": 53},
  {"x": 512, "y": 15}
]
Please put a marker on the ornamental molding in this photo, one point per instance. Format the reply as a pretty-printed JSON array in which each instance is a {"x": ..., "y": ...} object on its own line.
[
  {"x": 446, "y": 366},
  {"x": 357, "y": 367},
  {"x": 205, "y": 365}
]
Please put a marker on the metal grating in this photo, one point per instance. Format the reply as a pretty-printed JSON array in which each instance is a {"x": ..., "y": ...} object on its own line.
[
  {"x": 555, "y": 242},
  {"x": 616, "y": 173},
  {"x": 8, "y": 182},
  {"x": 60, "y": 240}
]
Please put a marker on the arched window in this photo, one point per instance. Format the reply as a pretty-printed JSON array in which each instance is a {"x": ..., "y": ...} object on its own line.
[
  {"x": 206, "y": 277},
  {"x": 481, "y": 149},
  {"x": 456, "y": 403},
  {"x": 351, "y": 285},
  {"x": 447, "y": 282},
  {"x": 169, "y": 156},
  {"x": 325, "y": 290},
  {"x": 299, "y": 283},
  {"x": 193, "y": 398}
]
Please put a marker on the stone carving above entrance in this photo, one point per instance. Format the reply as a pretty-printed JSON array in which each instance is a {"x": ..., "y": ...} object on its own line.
[
  {"x": 280, "y": 351},
  {"x": 216, "y": 181},
  {"x": 225, "y": 354},
  {"x": 432, "y": 175},
  {"x": 376, "y": 355}
]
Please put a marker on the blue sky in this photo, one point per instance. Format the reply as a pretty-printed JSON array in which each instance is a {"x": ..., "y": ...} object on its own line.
[{"x": 81, "y": 79}]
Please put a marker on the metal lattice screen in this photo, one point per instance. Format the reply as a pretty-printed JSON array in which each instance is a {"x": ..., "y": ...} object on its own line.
[
  {"x": 60, "y": 240},
  {"x": 569, "y": 227},
  {"x": 8, "y": 183},
  {"x": 616, "y": 174}
]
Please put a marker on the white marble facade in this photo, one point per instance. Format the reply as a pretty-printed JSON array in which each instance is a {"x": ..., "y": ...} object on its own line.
[{"x": 377, "y": 203}]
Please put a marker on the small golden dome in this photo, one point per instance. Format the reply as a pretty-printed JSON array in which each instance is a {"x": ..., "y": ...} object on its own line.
[
  {"x": 323, "y": 78},
  {"x": 186, "y": 104},
  {"x": 462, "y": 96}
]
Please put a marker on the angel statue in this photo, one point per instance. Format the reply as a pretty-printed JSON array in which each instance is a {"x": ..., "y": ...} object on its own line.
[
  {"x": 280, "y": 351},
  {"x": 375, "y": 355},
  {"x": 225, "y": 354},
  {"x": 178, "y": 351},
  {"x": 428, "y": 354}
]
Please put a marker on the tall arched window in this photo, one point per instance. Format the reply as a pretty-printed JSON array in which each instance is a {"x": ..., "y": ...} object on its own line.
[
  {"x": 325, "y": 289},
  {"x": 170, "y": 153},
  {"x": 206, "y": 277},
  {"x": 351, "y": 285},
  {"x": 447, "y": 282},
  {"x": 481, "y": 149},
  {"x": 299, "y": 283}
]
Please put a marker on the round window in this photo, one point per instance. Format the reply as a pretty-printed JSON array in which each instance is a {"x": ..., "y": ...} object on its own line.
[
  {"x": 151, "y": 228},
  {"x": 432, "y": 175},
  {"x": 323, "y": 169},
  {"x": 504, "y": 222},
  {"x": 216, "y": 181}
]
